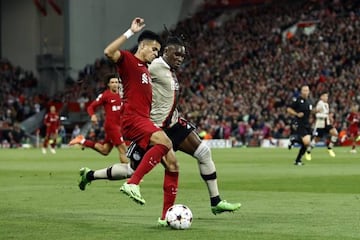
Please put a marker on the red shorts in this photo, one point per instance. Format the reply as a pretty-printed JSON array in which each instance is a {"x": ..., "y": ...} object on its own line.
[
  {"x": 113, "y": 135},
  {"x": 138, "y": 129},
  {"x": 51, "y": 132},
  {"x": 353, "y": 131}
]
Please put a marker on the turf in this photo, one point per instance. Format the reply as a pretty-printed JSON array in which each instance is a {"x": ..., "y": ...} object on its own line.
[{"x": 40, "y": 199}]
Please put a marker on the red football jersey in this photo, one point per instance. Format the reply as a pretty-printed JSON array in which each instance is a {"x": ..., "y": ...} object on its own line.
[
  {"x": 52, "y": 121},
  {"x": 136, "y": 81},
  {"x": 353, "y": 119},
  {"x": 111, "y": 103}
]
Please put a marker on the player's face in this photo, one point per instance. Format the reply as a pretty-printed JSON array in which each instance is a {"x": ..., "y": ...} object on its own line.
[
  {"x": 174, "y": 55},
  {"x": 150, "y": 50},
  {"x": 305, "y": 91},
  {"x": 324, "y": 97},
  {"x": 113, "y": 85},
  {"x": 52, "y": 109},
  {"x": 354, "y": 108}
]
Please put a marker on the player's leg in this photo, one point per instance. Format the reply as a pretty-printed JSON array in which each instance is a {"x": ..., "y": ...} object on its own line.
[
  {"x": 53, "y": 138},
  {"x": 170, "y": 184},
  {"x": 161, "y": 144},
  {"x": 45, "y": 143},
  {"x": 333, "y": 139},
  {"x": 193, "y": 146},
  {"x": 122, "y": 152},
  {"x": 147, "y": 132},
  {"x": 122, "y": 169},
  {"x": 118, "y": 171},
  {"x": 104, "y": 148},
  {"x": 307, "y": 144},
  {"x": 305, "y": 135},
  {"x": 353, "y": 133},
  {"x": 315, "y": 137},
  {"x": 115, "y": 137}
]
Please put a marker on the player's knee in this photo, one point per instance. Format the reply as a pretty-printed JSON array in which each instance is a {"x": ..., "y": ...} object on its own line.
[
  {"x": 123, "y": 158},
  {"x": 334, "y": 132},
  {"x": 104, "y": 152},
  {"x": 203, "y": 152},
  {"x": 166, "y": 142},
  {"x": 172, "y": 167}
]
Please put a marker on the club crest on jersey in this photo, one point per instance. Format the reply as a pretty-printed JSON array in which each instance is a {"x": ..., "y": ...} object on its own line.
[{"x": 145, "y": 79}]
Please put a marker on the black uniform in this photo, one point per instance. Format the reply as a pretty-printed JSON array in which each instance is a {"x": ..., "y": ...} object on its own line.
[{"x": 301, "y": 126}]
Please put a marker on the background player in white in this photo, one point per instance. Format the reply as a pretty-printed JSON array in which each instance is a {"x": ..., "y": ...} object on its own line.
[{"x": 323, "y": 124}]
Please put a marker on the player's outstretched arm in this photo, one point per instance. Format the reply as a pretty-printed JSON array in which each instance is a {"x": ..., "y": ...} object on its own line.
[{"x": 112, "y": 50}]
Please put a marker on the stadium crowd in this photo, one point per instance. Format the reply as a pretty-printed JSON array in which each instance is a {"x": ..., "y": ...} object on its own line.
[
  {"x": 242, "y": 73},
  {"x": 242, "y": 68},
  {"x": 18, "y": 101}
]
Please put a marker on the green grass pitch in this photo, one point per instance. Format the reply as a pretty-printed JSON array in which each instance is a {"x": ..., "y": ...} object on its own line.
[{"x": 40, "y": 199}]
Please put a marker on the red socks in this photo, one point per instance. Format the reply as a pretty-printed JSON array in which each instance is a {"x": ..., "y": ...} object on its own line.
[
  {"x": 170, "y": 187},
  {"x": 150, "y": 160},
  {"x": 89, "y": 144}
]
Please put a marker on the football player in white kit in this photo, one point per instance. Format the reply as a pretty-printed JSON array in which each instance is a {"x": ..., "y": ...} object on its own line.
[{"x": 323, "y": 124}]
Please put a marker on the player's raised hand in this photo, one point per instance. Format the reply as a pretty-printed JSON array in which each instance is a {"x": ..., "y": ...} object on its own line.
[
  {"x": 137, "y": 24},
  {"x": 300, "y": 114},
  {"x": 94, "y": 119}
]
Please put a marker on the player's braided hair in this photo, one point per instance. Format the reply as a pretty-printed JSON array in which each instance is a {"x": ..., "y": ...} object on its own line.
[{"x": 172, "y": 39}]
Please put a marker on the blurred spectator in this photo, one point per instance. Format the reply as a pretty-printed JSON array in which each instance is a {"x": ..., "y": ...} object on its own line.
[
  {"x": 62, "y": 134},
  {"x": 15, "y": 135},
  {"x": 75, "y": 132}
]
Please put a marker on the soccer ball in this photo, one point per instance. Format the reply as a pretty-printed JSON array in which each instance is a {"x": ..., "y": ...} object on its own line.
[{"x": 179, "y": 216}]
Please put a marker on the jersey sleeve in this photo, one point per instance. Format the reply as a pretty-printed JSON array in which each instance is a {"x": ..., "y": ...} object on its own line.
[
  {"x": 119, "y": 63},
  {"x": 46, "y": 119},
  {"x": 95, "y": 104},
  {"x": 58, "y": 121},
  {"x": 294, "y": 104}
]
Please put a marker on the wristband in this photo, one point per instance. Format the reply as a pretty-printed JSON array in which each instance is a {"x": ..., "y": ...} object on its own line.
[{"x": 128, "y": 33}]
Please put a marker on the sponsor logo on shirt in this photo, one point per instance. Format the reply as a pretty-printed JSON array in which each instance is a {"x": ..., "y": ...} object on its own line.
[{"x": 145, "y": 79}]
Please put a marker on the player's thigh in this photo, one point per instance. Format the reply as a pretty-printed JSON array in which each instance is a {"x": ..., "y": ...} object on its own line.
[
  {"x": 306, "y": 140},
  {"x": 53, "y": 135},
  {"x": 333, "y": 131},
  {"x": 121, "y": 148},
  {"x": 190, "y": 143},
  {"x": 305, "y": 133},
  {"x": 160, "y": 137}
]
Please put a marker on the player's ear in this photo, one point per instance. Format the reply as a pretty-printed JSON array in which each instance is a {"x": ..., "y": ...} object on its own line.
[{"x": 142, "y": 45}]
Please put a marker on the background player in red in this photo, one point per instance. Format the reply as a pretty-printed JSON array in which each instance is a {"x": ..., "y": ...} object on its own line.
[
  {"x": 52, "y": 122},
  {"x": 353, "y": 126},
  {"x": 111, "y": 101},
  {"x": 135, "y": 111}
]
